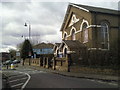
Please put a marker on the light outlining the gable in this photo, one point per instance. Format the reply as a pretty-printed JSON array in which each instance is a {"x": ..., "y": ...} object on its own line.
[
  {"x": 56, "y": 50},
  {"x": 73, "y": 20},
  {"x": 65, "y": 33},
  {"x": 84, "y": 21},
  {"x": 65, "y": 46},
  {"x": 73, "y": 28}
]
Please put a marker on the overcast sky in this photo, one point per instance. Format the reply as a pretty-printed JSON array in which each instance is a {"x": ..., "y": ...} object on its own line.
[{"x": 45, "y": 18}]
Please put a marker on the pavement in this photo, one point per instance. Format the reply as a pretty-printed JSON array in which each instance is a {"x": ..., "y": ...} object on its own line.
[{"x": 106, "y": 78}]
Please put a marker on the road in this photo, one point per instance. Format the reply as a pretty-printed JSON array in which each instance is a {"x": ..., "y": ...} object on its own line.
[
  {"x": 0, "y": 80},
  {"x": 50, "y": 80},
  {"x": 16, "y": 79},
  {"x": 29, "y": 78}
]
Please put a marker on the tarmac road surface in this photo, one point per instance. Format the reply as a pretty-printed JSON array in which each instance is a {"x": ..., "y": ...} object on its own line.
[
  {"x": 50, "y": 80},
  {"x": 16, "y": 79},
  {"x": 30, "y": 78}
]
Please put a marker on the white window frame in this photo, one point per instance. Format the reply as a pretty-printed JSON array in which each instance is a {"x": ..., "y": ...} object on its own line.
[
  {"x": 104, "y": 33},
  {"x": 73, "y": 34},
  {"x": 85, "y": 33}
]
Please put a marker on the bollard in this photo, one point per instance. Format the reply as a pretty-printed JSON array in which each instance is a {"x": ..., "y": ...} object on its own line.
[{"x": 12, "y": 66}]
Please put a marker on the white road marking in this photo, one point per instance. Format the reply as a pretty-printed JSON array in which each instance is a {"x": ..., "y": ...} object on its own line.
[
  {"x": 17, "y": 85},
  {"x": 17, "y": 79},
  {"x": 113, "y": 84},
  {"x": 26, "y": 81},
  {"x": 15, "y": 76},
  {"x": 23, "y": 84},
  {"x": 92, "y": 80}
]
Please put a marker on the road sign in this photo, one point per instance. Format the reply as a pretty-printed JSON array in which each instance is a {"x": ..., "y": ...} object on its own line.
[{"x": 17, "y": 53}]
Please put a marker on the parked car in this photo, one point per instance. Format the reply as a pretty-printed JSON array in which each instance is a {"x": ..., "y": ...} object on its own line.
[
  {"x": 3, "y": 63},
  {"x": 8, "y": 62},
  {"x": 16, "y": 61}
]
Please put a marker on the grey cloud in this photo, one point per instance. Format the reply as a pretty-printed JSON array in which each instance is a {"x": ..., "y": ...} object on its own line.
[
  {"x": 44, "y": 14},
  {"x": 4, "y": 46},
  {"x": 56, "y": 7},
  {"x": 16, "y": 6},
  {"x": 16, "y": 1},
  {"x": 44, "y": 30},
  {"x": 36, "y": 15},
  {"x": 46, "y": 18},
  {"x": 11, "y": 41}
]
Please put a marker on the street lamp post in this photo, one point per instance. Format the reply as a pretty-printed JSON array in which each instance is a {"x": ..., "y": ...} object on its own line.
[{"x": 29, "y": 27}]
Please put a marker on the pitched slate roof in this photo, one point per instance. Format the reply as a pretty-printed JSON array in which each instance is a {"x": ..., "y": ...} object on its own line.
[
  {"x": 74, "y": 44},
  {"x": 97, "y": 9},
  {"x": 57, "y": 44},
  {"x": 43, "y": 45}
]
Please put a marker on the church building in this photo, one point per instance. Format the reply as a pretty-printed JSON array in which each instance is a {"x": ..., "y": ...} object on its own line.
[{"x": 89, "y": 36}]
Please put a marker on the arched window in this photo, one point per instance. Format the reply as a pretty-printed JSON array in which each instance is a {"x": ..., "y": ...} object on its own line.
[
  {"x": 65, "y": 52},
  {"x": 73, "y": 35},
  {"x": 84, "y": 33},
  {"x": 65, "y": 36},
  {"x": 58, "y": 53},
  {"x": 104, "y": 36}
]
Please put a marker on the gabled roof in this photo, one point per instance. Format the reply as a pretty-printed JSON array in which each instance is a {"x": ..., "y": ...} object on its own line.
[
  {"x": 56, "y": 45},
  {"x": 74, "y": 44},
  {"x": 96, "y": 9},
  {"x": 43, "y": 45},
  {"x": 88, "y": 9}
]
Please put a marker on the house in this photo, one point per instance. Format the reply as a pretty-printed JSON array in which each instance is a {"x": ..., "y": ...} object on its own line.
[
  {"x": 90, "y": 36},
  {"x": 74, "y": 50},
  {"x": 4, "y": 56},
  {"x": 43, "y": 54},
  {"x": 42, "y": 49}
]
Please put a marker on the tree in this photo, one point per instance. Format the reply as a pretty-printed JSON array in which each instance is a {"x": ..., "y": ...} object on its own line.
[
  {"x": 19, "y": 46},
  {"x": 12, "y": 54},
  {"x": 26, "y": 50}
]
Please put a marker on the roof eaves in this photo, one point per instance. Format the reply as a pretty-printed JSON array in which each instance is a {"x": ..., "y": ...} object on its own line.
[
  {"x": 64, "y": 20},
  {"x": 54, "y": 48},
  {"x": 98, "y": 9},
  {"x": 79, "y": 7}
]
